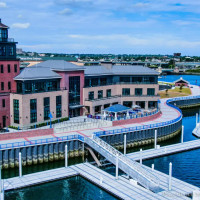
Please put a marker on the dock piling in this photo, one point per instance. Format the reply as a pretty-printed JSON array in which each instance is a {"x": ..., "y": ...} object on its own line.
[
  {"x": 170, "y": 176},
  {"x": 117, "y": 162},
  {"x": 197, "y": 116},
  {"x": 182, "y": 133},
  {"x": 124, "y": 144},
  {"x": 66, "y": 156},
  {"x": 155, "y": 140},
  {"x": 152, "y": 166},
  {"x": 20, "y": 164},
  {"x": 141, "y": 156}
]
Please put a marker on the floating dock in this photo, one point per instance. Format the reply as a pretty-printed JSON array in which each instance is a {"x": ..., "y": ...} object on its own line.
[
  {"x": 196, "y": 130},
  {"x": 165, "y": 150},
  {"x": 121, "y": 187}
]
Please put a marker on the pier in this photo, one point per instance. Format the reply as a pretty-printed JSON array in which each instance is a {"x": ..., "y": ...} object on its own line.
[
  {"x": 165, "y": 150},
  {"x": 122, "y": 187}
]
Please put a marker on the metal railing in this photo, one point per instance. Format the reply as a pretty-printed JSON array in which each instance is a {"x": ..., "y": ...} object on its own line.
[
  {"x": 41, "y": 141},
  {"x": 134, "y": 169},
  {"x": 116, "y": 96},
  {"x": 150, "y": 126},
  {"x": 6, "y": 39}
]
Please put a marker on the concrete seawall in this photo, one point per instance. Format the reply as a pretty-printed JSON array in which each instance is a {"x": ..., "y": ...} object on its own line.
[{"x": 33, "y": 153}]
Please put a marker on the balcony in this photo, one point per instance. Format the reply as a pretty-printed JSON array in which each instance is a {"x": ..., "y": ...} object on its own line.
[
  {"x": 36, "y": 91},
  {"x": 117, "y": 96},
  {"x": 7, "y": 40}
]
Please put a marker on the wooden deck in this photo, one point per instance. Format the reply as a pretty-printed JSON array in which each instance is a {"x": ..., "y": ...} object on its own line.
[{"x": 165, "y": 150}]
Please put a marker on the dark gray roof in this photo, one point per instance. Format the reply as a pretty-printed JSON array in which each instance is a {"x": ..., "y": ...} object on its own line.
[
  {"x": 119, "y": 70},
  {"x": 59, "y": 65},
  {"x": 35, "y": 73}
]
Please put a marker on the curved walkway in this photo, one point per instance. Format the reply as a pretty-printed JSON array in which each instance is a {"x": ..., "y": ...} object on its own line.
[{"x": 168, "y": 114}]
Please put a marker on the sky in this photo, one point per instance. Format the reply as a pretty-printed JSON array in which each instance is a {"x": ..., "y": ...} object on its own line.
[{"x": 104, "y": 26}]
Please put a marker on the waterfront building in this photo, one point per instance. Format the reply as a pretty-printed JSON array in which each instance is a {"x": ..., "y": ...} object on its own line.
[
  {"x": 65, "y": 89},
  {"x": 9, "y": 68}
]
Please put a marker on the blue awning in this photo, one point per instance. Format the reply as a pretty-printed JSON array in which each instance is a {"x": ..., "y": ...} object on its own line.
[{"x": 117, "y": 108}]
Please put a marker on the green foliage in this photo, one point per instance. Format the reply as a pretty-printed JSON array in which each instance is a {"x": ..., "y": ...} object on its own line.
[
  {"x": 13, "y": 127},
  {"x": 52, "y": 122}
]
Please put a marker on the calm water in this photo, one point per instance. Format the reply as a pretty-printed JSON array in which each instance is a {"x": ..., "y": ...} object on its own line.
[
  {"x": 185, "y": 167},
  {"x": 193, "y": 79}
]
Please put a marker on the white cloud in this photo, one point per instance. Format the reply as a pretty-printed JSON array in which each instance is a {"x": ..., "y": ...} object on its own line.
[
  {"x": 66, "y": 11},
  {"x": 3, "y": 5},
  {"x": 21, "y": 25}
]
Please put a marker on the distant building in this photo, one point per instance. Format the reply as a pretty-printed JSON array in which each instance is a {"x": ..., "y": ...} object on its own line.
[{"x": 180, "y": 82}]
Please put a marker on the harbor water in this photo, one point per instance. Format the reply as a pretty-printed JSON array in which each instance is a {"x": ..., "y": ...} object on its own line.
[{"x": 185, "y": 167}]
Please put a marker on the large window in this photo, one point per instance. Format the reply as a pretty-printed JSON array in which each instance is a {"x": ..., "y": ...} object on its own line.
[
  {"x": 91, "y": 95},
  {"x": 125, "y": 79},
  {"x": 15, "y": 68},
  {"x": 11, "y": 51},
  {"x": 58, "y": 106},
  {"x": 126, "y": 91},
  {"x": 2, "y": 70},
  {"x": 103, "y": 81},
  {"x": 151, "y": 91},
  {"x": 8, "y": 68},
  {"x": 16, "y": 110},
  {"x": 3, "y": 103},
  {"x": 9, "y": 85},
  {"x": 74, "y": 90},
  {"x": 108, "y": 93},
  {"x": 94, "y": 82},
  {"x": 138, "y": 91},
  {"x": 46, "y": 108},
  {"x": 33, "y": 110},
  {"x": 2, "y": 85},
  {"x": 2, "y": 51},
  {"x": 100, "y": 94}
]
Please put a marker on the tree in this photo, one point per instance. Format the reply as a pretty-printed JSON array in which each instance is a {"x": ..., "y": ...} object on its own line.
[
  {"x": 166, "y": 91},
  {"x": 181, "y": 87}
]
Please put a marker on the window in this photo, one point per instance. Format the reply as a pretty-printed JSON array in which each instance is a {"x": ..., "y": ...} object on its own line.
[
  {"x": 33, "y": 110},
  {"x": 2, "y": 69},
  {"x": 138, "y": 91},
  {"x": 91, "y": 95},
  {"x": 3, "y": 103},
  {"x": 125, "y": 79},
  {"x": 46, "y": 108},
  {"x": 15, "y": 68},
  {"x": 2, "y": 85},
  {"x": 16, "y": 110},
  {"x": 58, "y": 106},
  {"x": 125, "y": 91},
  {"x": 94, "y": 82},
  {"x": 100, "y": 94},
  {"x": 108, "y": 93},
  {"x": 103, "y": 81},
  {"x": 8, "y": 68},
  {"x": 9, "y": 85},
  {"x": 74, "y": 90},
  {"x": 11, "y": 51},
  {"x": 2, "y": 51},
  {"x": 151, "y": 91}
]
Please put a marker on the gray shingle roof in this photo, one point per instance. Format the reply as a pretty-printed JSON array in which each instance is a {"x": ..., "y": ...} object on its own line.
[
  {"x": 59, "y": 65},
  {"x": 35, "y": 73},
  {"x": 119, "y": 70}
]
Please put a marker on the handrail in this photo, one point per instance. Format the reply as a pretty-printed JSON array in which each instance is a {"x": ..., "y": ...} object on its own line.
[
  {"x": 156, "y": 125},
  {"x": 130, "y": 163},
  {"x": 41, "y": 141}
]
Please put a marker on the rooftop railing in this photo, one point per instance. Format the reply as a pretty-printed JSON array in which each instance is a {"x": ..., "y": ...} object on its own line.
[{"x": 7, "y": 40}]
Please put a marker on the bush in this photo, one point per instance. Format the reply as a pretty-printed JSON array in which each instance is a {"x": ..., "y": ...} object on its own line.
[{"x": 13, "y": 127}]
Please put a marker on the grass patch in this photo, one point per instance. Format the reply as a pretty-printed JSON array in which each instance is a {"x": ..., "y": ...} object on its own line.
[{"x": 175, "y": 93}]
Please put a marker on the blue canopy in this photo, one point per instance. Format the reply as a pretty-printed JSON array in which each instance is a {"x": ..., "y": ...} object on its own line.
[{"x": 117, "y": 108}]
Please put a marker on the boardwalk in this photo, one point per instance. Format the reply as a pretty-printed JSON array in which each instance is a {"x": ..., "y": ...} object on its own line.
[
  {"x": 121, "y": 188},
  {"x": 165, "y": 150}
]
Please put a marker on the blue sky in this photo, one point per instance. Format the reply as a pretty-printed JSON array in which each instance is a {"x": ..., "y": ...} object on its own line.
[{"x": 104, "y": 26}]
